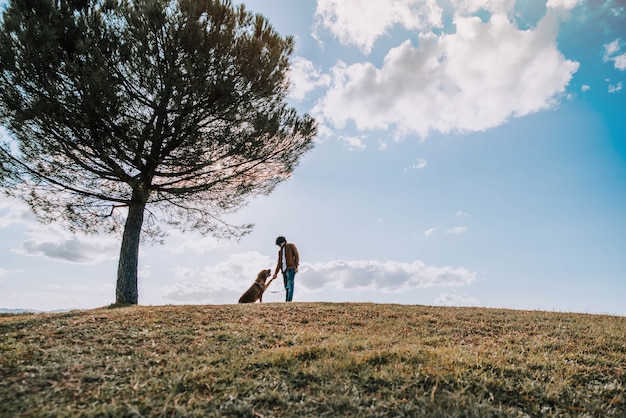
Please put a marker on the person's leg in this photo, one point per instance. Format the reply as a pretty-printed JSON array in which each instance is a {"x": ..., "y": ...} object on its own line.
[
  {"x": 286, "y": 284},
  {"x": 291, "y": 275}
]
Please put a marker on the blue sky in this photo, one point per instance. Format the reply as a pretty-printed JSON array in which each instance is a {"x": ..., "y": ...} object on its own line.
[{"x": 471, "y": 153}]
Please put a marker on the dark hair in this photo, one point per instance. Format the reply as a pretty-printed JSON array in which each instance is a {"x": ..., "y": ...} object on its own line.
[{"x": 280, "y": 240}]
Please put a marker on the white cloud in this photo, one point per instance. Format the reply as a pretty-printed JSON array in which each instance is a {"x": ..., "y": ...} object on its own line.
[
  {"x": 429, "y": 232},
  {"x": 447, "y": 299},
  {"x": 563, "y": 4},
  {"x": 353, "y": 142},
  {"x": 380, "y": 276},
  {"x": 614, "y": 88},
  {"x": 179, "y": 242},
  {"x": 457, "y": 230},
  {"x": 236, "y": 274},
  {"x": 610, "y": 49},
  {"x": 361, "y": 22},
  {"x": 617, "y": 11},
  {"x": 71, "y": 250},
  {"x": 17, "y": 213},
  {"x": 305, "y": 77},
  {"x": 144, "y": 272},
  {"x": 620, "y": 62},
  {"x": 54, "y": 243},
  {"x": 184, "y": 273},
  {"x": 461, "y": 214},
  {"x": 469, "y": 7},
  {"x": 471, "y": 80},
  {"x": 421, "y": 163},
  {"x": 585, "y": 87}
]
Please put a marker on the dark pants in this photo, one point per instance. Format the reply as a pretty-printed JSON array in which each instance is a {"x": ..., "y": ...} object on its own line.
[{"x": 288, "y": 278}]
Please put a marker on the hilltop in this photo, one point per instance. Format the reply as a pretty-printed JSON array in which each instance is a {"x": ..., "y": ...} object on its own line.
[{"x": 312, "y": 359}]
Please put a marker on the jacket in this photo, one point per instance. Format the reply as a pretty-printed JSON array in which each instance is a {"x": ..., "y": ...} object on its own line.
[{"x": 291, "y": 255}]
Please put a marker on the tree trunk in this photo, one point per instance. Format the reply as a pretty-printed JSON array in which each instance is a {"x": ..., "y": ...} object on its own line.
[{"x": 126, "y": 291}]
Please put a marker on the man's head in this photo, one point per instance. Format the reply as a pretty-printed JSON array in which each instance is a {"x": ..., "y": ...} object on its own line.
[{"x": 280, "y": 241}]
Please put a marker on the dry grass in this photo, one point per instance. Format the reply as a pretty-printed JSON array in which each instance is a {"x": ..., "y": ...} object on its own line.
[{"x": 312, "y": 360}]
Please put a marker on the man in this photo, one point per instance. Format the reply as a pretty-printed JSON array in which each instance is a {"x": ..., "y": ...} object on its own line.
[{"x": 288, "y": 260}]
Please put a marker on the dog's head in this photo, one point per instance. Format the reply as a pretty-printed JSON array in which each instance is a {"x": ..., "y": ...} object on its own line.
[{"x": 263, "y": 275}]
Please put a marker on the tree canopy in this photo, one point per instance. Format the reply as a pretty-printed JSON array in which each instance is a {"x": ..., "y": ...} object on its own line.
[{"x": 116, "y": 108}]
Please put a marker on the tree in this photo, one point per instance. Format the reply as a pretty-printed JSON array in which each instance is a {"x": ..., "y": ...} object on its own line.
[{"x": 120, "y": 108}]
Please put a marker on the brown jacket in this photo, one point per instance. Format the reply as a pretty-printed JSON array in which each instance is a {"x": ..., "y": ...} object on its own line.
[{"x": 291, "y": 255}]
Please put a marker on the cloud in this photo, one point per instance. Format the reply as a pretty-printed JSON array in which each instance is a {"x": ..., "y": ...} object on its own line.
[
  {"x": 145, "y": 272},
  {"x": 447, "y": 299},
  {"x": 305, "y": 77},
  {"x": 472, "y": 80},
  {"x": 457, "y": 230},
  {"x": 72, "y": 250},
  {"x": 179, "y": 242},
  {"x": 610, "y": 49},
  {"x": 614, "y": 88},
  {"x": 361, "y": 22},
  {"x": 429, "y": 232},
  {"x": 585, "y": 87},
  {"x": 610, "y": 54},
  {"x": 234, "y": 275},
  {"x": 353, "y": 142},
  {"x": 53, "y": 243},
  {"x": 17, "y": 213},
  {"x": 620, "y": 62},
  {"x": 563, "y": 4},
  {"x": 421, "y": 163},
  {"x": 461, "y": 214},
  {"x": 375, "y": 275}
]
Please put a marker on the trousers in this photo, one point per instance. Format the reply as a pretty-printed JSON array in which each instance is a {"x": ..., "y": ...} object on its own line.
[{"x": 289, "y": 278}]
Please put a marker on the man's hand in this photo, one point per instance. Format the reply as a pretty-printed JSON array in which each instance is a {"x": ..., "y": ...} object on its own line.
[{"x": 274, "y": 276}]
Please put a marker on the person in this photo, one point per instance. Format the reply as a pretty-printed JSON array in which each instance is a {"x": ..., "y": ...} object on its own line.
[{"x": 288, "y": 260}]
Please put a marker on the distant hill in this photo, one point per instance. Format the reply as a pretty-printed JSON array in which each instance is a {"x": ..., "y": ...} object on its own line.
[
  {"x": 23, "y": 311},
  {"x": 17, "y": 311}
]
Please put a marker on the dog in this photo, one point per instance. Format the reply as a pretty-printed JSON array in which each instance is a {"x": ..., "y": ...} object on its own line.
[{"x": 255, "y": 292}]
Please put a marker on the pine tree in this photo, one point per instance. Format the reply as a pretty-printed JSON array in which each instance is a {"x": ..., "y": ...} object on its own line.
[{"x": 132, "y": 115}]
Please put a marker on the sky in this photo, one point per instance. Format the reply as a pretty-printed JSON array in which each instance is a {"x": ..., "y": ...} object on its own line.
[{"x": 470, "y": 153}]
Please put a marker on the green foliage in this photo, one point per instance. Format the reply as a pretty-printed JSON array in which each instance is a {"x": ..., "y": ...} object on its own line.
[
  {"x": 179, "y": 105},
  {"x": 174, "y": 108},
  {"x": 312, "y": 360}
]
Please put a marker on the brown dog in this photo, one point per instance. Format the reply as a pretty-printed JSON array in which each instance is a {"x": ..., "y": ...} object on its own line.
[{"x": 258, "y": 287}]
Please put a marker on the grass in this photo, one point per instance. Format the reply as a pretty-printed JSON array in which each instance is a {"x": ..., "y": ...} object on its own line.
[{"x": 312, "y": 359}]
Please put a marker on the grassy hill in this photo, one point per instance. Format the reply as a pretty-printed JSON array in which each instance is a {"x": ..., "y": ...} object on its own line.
[{"x": 313, "y": 360}]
